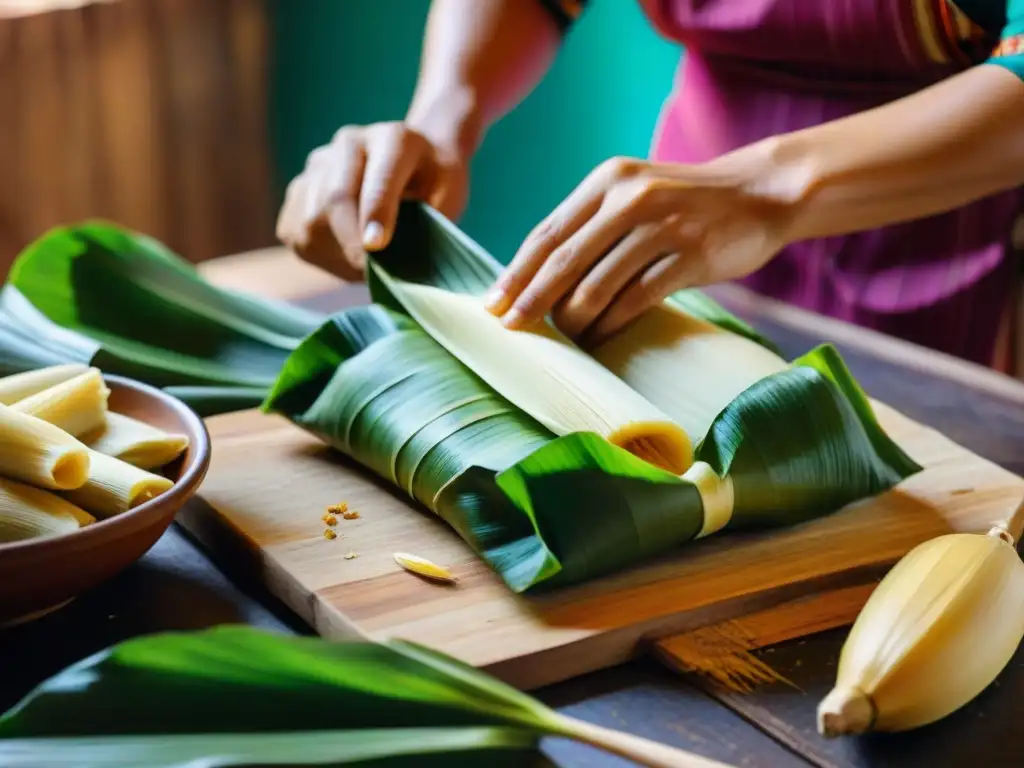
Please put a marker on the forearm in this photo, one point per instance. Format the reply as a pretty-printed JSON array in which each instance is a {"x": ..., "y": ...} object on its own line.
[
  {"x": 934, "y": 151},
  {"x": 480, "y": 58}
]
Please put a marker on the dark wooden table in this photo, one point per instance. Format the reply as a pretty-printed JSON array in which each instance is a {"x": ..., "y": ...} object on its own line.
[{"x": 175, "y": 586}]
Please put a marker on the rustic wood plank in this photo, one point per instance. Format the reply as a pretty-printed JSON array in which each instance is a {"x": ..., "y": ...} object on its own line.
[{"x": 151, "y": 113}]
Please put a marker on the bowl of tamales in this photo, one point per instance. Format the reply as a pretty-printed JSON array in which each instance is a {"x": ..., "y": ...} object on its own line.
[{"x": 93, "y": 468}]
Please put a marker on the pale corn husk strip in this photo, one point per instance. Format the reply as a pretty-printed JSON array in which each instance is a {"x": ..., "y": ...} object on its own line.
[
  {"x": 937, "y": 630},
  {"x": 114, "y": 486},
  {"x": 547, "y": 376},
  {"x": 689, "y": 369},
  {"x": 716, "y": 496},
  {"x": 28, "y": 513},
  {"x": 38, "y": 453},
  {"x": 22, "y": 385},
  {"x": 135, "y": 442},
  {"x": 423, "y": 567},
  {"x": 78, "y": 405}
]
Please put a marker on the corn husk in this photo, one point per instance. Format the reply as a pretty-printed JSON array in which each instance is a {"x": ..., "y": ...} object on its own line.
[
  {"x": 40, "y": 454},
  {"x": 74, "y": 398},
  {"x": 22, "y": 385},
  {"x": 939, "y": 629},
  {"x": 77, "y": 406},
  {"x": 137, "y": 443},
  {"x": 114, "y": 486},
  {"x": 545, "y": 375},
  {"x": 423, "y": 567},
  {"x": 27, "y": 512}
]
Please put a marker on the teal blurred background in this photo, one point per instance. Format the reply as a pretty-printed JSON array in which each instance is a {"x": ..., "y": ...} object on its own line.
[{"x": 355, "y": 61}]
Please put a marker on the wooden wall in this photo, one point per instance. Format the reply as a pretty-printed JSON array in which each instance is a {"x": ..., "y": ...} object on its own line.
[{"x": 151, "y": 113}]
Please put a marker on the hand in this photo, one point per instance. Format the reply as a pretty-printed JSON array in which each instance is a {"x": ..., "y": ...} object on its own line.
[
  {"x": 345, "y": 201},
  {"x": 629, "y": 235}
]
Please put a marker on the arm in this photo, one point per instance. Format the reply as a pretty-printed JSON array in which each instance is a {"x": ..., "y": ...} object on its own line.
[
  {"x": 480, "y": 59},
  {"x": 939, "y": 149},
  {"x": 634, "y": 232}
]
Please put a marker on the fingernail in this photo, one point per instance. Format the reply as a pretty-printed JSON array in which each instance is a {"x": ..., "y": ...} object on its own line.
[
  {"x": 513, "y": 319},
  {"x": 495, "y": 301},
  {"x": 373, "y": 235}
]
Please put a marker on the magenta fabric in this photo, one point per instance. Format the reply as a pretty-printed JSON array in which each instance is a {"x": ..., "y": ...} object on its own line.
[{"x": 757, "y": 68}]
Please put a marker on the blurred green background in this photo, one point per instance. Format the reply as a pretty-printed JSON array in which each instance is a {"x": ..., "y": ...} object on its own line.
[{"x": 355, "y": 61}]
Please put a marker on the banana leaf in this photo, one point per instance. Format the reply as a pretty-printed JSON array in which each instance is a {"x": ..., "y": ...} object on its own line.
[
  {"x": 548, "y": 510},
  {"x": 97, "y": 293},
  {"x": 241, "y": 696}
]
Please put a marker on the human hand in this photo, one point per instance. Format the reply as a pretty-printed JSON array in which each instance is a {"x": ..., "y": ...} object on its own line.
[
  {"x": 345, "y": 202},
  {"x": 632, "y": 233}
]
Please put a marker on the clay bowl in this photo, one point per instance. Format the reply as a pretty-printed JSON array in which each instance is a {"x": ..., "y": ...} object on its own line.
[{"x": 41, "y": 575}]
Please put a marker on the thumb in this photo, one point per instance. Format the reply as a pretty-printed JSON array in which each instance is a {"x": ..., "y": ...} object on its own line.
[{"x": 389, "y": 171}]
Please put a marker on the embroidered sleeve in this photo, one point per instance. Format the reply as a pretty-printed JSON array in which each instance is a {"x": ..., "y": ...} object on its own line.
[
  {"x": 1009, "y": 52},
  {"x": 565, "y": 11}
]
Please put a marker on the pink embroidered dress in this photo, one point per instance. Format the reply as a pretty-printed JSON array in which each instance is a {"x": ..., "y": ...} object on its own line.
[{"x": 757, "y": 68}]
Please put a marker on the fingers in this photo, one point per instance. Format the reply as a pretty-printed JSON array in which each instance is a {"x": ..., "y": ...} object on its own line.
[
  {"x": 346, "y": 200},
  {"x": 606, "y": 280},
  {"x": 319, "y": 218},
  {"x": 582, "y": 204},
  {"x": 566, "y": 266},
  {"x": 657, "y": 281},
  {"x": 343, "y": 181},
  {"x": 614, "y": 200},
  {"x": 393, "y": 156}
]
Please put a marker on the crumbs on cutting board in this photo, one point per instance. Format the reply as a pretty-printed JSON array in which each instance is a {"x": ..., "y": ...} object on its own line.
[
  {"x": 351, "y": 555},
  {"x": 330, "y": 519},
  {"x": 343, "y": 510}
]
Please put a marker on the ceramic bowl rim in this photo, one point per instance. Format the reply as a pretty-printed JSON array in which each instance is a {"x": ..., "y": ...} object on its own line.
[{"x": 184, "y": 487}]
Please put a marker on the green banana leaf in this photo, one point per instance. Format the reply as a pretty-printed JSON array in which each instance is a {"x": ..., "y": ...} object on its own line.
[
  {"x": 547, "y": 510},
  {"x": 97, "y": 293},
  {"x": 240, "y": 696}
]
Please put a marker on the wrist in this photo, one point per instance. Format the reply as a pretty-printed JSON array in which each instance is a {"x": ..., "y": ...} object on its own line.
[
  {"x": 778, "y": 173},
  {"x": 453, "y": 120}
]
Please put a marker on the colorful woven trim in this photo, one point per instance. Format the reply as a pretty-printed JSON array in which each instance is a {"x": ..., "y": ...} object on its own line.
[{"x": 1009, "y": 46}]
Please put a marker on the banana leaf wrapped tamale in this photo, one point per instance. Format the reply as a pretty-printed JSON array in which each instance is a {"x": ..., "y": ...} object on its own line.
[{"x": 557, "y": 465}]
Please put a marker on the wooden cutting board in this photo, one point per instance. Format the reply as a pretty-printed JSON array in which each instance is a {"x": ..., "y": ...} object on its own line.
[{"x": 270, "y": 483}]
